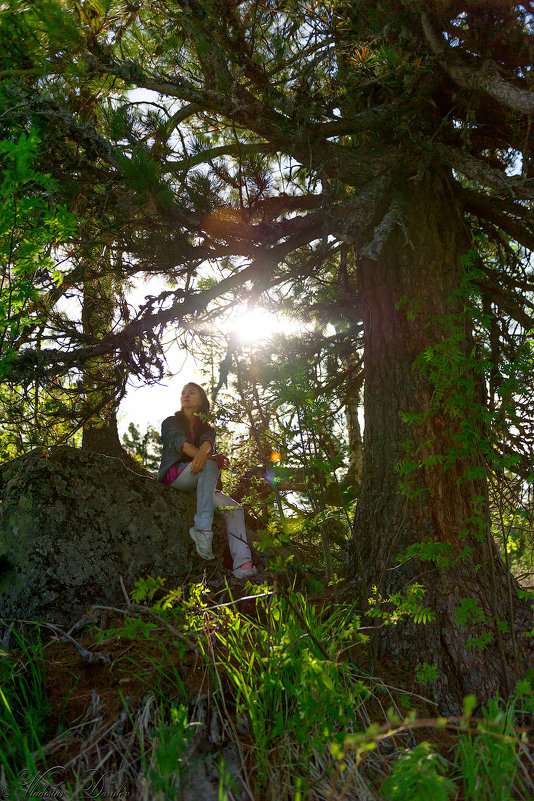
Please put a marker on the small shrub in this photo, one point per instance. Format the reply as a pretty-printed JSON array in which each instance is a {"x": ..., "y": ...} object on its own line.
[{"x": 417, "y": 775}]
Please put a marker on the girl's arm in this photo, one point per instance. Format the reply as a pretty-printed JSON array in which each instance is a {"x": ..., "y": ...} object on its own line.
[
  {"x": 200, "y": 455},
  {"x": 192, "y": 450}
]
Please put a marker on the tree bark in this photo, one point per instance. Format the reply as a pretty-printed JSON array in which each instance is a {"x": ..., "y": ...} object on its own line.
[
  {"x": 353, "y": 476},
  {"x": 424, "y": 264},
  {"x": 104, "y": 380},
  {"x": 101, "y": 382}
]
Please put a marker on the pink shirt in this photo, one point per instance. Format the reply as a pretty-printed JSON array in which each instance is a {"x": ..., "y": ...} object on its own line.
[{"x": 174, "y": 471}]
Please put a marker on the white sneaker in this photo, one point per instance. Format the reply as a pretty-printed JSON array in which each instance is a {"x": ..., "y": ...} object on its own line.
[
  {"x": 240, "y": 572},
  {"x": 203, "y": 542}
]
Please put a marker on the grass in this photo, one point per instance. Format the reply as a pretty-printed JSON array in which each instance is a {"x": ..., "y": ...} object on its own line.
[
  {"x": 23, "y": 706},
  {"x": 273, "y": 703},
  {"x": 487, "y": 756}
]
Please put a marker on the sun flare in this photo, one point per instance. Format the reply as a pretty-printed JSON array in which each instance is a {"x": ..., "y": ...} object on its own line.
[{"x": 256, "y": 325}]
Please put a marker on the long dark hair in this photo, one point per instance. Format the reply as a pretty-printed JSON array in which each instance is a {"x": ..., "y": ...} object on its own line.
[{"x": 201, "y": 425}]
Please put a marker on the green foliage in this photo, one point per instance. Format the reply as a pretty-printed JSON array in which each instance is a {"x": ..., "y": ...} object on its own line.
[
  {"x": 469, "y": 611},
  {"x": 481, "y": 641},
  {"x": 23, "y": 705},
  {"x": 454, "y": 374},
  {"x": 280, "y": 668},
  {"x": 487, "y": 759},
  {"x": 426, "y": 673},
  {"x": 34, "y": 226},
  {"x": 418, "y": 775},
  {"x": 438, "y": 552},
  {"x": 523, "y": 695},
  {"x": 168, "y": 766},
  {"x": 280, "y": 677},
  {"x": 284, "y": 684},
  {"x": 407, "y": 603},
  {"x": 31, "y": 226},
  {"x": 38, "y": 415},
  {"x": 412, "y": 306},
  {"x": 469, "y": 705},
  {"x": 146, "y": 447},
  {"x": 145, "y": 588}
]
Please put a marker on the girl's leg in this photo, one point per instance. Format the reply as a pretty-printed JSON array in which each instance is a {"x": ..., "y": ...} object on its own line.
[
  {"x": 205, "y": 482},
  {"x": 234, "y": 517}
]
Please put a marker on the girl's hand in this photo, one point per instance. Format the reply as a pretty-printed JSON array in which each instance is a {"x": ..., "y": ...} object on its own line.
[
  {"x": 222, "y": 460},
  {"x": 200, "y": 458},
  {"x": 199, "y": 461}
]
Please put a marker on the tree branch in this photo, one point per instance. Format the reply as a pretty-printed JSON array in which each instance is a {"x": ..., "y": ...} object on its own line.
[
  {"x": 394, "y": 216},
  {"x": 48, "y": 362},
  {"x": 486, "y": 79},
  {"x": 238, "y": 149},
  {"x": 480, "y": 172},
  {"x": 508, "y": 303},
  {"x": 303, "y": 142},
  {"x": 486, "y": 208}
]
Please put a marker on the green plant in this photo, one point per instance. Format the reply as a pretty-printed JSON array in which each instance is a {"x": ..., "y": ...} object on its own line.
[
  {"x": 488, "y": 759},
  {"x": 23, "y": 706},
  {"x": 426, "y": 673},
  {"x": 288, "y": 684},
  {"x": 168, "y": 765},
  {"x": 469, "y": 440},
  {"x": 401, "y": 604},
  {"x": 418, "y": 775},
  {"x": 302, "y": 710},
  {"x": 31, "y": 225}
]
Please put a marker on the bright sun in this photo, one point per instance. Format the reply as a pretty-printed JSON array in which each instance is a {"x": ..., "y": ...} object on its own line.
[{"x": 255, "y": 325}]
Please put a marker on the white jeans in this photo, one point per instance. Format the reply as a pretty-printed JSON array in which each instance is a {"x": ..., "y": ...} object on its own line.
[{"x": 210, "y": 499}]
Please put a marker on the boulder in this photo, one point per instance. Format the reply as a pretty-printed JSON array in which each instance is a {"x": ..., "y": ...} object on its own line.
[{"x": 73, "y": 522}]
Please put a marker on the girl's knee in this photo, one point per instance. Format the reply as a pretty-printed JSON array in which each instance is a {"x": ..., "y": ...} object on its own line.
[
  {"x": 233, "y": 508},
  {"x": 235, "y": 511}
]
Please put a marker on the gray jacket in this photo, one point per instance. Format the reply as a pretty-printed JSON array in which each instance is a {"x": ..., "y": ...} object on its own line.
[{"x": 173, "y": 437}]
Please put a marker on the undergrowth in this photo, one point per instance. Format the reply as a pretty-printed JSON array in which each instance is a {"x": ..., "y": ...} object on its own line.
[{"x": 279, "y": 710}]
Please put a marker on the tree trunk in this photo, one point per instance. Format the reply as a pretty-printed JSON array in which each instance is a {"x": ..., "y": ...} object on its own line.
[
  {"x": 104, "y": 380},
  {"x": 447, "y": 504},
  {"x": 353, "y": 476},
  {"x": 104, "y": 437}
]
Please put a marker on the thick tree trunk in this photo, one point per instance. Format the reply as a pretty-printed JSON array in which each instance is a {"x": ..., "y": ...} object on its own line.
[
  {"x": 353, "y": 476},
  {"x": 424, "y": 265},
  {"x": 104, "y": 380},
  {"x": 104, "y": 436}
]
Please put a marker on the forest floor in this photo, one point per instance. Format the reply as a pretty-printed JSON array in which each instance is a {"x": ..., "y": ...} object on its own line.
[{"x": 251, "y": 692}]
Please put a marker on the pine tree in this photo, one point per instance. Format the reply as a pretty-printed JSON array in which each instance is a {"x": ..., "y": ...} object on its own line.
[{"x": 287, "y": 132}]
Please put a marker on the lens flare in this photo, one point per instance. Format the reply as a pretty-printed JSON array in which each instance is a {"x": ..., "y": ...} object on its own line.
[{"x": 276, "y": 457}]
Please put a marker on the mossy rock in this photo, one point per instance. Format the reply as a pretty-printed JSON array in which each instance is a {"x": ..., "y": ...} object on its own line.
[{"x": 73, "y": 522}]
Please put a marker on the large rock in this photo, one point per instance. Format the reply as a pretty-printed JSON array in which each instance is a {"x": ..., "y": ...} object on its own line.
[{"x": 73, "y": 522}]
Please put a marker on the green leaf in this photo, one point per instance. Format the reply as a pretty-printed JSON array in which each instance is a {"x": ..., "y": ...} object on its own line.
[{"x": 470, "y": 702}]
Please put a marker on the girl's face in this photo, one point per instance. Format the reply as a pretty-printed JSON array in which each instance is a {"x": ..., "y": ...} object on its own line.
[{"x": 191, "y": 398}]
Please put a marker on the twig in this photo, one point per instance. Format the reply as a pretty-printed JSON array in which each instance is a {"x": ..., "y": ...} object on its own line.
[
  {"x": 244, "y": 598},
  {"x": 88, "y": 657},
  {"x": 145, "y": 610},
  {"x": 123, "y": 588}
]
